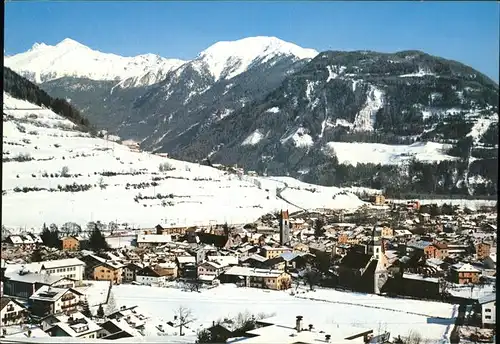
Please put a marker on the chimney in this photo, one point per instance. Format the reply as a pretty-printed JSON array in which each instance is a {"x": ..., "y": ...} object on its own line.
[
  {"x": 298, "y": 323},
  {"x": 327, "y": 338}
]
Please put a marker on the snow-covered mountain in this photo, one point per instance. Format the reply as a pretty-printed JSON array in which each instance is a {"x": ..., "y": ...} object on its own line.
[
  {"x": 220, "y": 80},
  {"x": 72, "y": 59},
  {"x": 366, "y": 118},
  {"x": 225, "y": 60},
  {"x": 272, "y": 106},
  {"x": 55, "y": 173}
]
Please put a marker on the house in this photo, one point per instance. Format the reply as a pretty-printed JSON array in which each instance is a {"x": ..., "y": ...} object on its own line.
[
  {"x": 167, "y": 269},
  {"x": 272, "y": 252},
  {"x": 421, "y": 247},
  {"x": 483, "y": 250},
  {"x": 296, "y": 260},
  {"x": 109, "y": 271},
  {"x": 378, "y": 199},
  {"x": 440, "y": 250},
  {"x": 23, "y": 284},
  {"x": 464, "y": 274},
  {"x": 72, "y": 268},
  {"x": 48, "y": 300},
  {"x": 386, "y": 232},
  {"x": 298, "y": 224},
  {"x": 130, "y": 271},
  {"x": 70, "y": 243},
  {"x": 279, "y": 330},
  {"x": 257, "y": 278},
  {"x": 75, "y": 325},
  {"x": 152, "y": 240},
  {"x": 27, "y": 241},
  {"x": 403, "y": 234},
  {"x": 221, "y": 331},
  {"x": 149, "y": 276},
  {"x": 487, "y": 308},
  {"x": 116, "y": 329},
  {"x": 210, "y": 268},
  {"x": 11, "y": 312},
  {"x": 186, "y": 266},
  {"x": 254, "y": 261}
]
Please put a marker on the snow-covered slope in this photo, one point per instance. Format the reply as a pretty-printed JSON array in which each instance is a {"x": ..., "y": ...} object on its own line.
[
  {"x": 377, "y": 153},
  {"x": 69, "y": 58},
  {"x": 47, "y": 163},
  {"x": 225, "y": 60}
]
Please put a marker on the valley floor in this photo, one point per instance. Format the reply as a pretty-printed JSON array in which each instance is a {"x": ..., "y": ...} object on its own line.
[{"x": 433, "y": 320}]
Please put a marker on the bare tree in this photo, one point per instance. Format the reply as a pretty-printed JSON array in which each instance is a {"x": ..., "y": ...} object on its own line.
[
  {"x": 185, "y": 316},
  {"x": 413, "y": 338},
  {"x": 444, "y": 286}
]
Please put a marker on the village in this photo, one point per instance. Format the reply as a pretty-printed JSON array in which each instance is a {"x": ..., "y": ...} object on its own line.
[{"x": 63, "y": 286}]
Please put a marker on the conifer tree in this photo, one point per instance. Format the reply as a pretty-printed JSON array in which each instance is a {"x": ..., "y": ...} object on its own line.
[
  {"x": 97, "y": 241},
  {"x": 100, "y": 312},
  {"x": 85, "y": 308}
]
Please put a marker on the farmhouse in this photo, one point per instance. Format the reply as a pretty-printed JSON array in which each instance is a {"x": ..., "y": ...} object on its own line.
[
  {"x": 11, "y": 312},
  {"x": 257, "y": 278},
  {"x": 47, "y": 300}
]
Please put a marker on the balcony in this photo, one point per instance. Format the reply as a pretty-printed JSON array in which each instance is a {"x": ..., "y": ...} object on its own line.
[{"x": 69, "y": 305}]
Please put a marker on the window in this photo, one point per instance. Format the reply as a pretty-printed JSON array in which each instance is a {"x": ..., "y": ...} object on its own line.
[
  {"x": 487, "y": 310},
  {"x": 488, "y": 317}
]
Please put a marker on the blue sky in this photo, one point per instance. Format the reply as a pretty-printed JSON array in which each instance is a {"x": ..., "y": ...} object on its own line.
[{"x": 463, "y": 31}]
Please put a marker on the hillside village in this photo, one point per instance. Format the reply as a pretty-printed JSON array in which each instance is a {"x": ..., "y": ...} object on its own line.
[{"x": 59, "y": 283}]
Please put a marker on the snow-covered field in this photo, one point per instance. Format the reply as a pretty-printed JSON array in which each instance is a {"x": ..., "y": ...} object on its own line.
[
  {"x": 432, "y": 320},
  {"x": 201, "y": 194},
  {"x": 378, "y": 153}
]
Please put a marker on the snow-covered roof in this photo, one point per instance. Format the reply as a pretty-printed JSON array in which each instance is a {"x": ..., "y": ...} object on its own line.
[
  {"x": 244, "y": 271},
  {"x": 154, "y": 238},
  {"x": 186, "y": 259},
  {"x": 47, "y": 293},
  {"x": 460, "y": 267},
  {"x": 61, "y": 263},
  {"x": 254, "y": 256},
  {"x": 34, "y": 278},
  {"x": 78, "y": 328},
  {"x": 420, "y": 278},
  {"x": 285, "y": 333},
  {"x": 224, "y": 260},
  {"x": 490, "y": 297}
]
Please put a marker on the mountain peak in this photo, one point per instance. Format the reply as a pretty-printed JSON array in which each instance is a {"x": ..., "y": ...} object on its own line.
[
  {"x": 235, "y": 57},
  {"x": 68, "y": 42},
  {"x": 262, "y": 45},
  {"x": 38, "y": 46}
]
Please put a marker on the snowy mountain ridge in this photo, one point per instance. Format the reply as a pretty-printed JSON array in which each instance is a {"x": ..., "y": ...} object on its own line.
[{"x": 70, "y": 58}]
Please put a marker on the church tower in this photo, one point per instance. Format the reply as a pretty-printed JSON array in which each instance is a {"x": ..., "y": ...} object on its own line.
[{"x": 284, "y": 228}]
